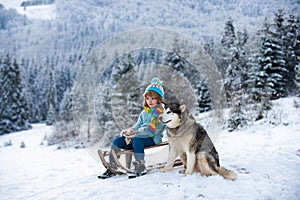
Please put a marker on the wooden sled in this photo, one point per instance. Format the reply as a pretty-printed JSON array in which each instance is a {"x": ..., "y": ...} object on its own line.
[{"x": 123, "y": 169}]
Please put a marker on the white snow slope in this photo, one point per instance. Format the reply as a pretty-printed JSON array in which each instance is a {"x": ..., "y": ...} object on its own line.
[
  {"x": 264, "y": 156},
  {"x": 35, "y": 12}
]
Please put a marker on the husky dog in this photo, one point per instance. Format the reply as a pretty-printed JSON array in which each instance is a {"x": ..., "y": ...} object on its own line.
[{"x": 190, "y": 141}]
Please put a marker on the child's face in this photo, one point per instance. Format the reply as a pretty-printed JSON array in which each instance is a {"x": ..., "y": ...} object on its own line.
[{"x": 151, "y": 101}]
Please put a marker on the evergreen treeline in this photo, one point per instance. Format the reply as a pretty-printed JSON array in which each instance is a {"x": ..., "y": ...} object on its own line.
[
  {"x": 13, "y": 105},
  {"x": 262, "y": 71},
  {"x": 256, "y": 69}
]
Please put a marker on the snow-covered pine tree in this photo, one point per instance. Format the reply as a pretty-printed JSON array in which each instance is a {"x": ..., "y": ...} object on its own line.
[
  {"x": 258, "y": 88},
  {"x": 228, "y": 39},
  {"x": 14, "y": 109},
  {"x": 272, "y": 59},
  {"x": 229, "y": 53},
  {"x": 237, "y": 117},
  {"x": 236, "y": 69},
  {"x": 297, "y": 79},
  {"x": 205, "y": 103},
  {"x": 52, "y": 97},
  {"x": 28, "y": 83},
  {"x": 291, "y": 43},
  {"x": 125, "y": 99},
  {"x": 33, "y": 92},
  {"x": 64, "y": 129},
  {"x": 234, "y": 56},
  {"x": 63, "y": 82},
  {"x": 44, "y": 89},
  {"x": 66, "y": 107},
  {"x": 177, "y": 62},
  {"x": 117, "y": 104}
]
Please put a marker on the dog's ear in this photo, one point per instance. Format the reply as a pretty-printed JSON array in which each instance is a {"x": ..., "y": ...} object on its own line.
[
  {"x": 182, "y": 108},
  {"x": 163, "y": 105}
]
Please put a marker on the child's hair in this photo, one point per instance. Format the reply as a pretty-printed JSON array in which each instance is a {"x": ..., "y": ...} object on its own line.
[{"x": 153, "y": 94}]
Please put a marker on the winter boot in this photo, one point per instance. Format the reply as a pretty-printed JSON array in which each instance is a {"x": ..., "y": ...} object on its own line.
[
  {"x": 106, "y": 174},
  {"x": 139, "y": 167}
]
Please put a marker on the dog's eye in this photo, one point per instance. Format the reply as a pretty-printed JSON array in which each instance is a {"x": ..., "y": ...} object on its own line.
[{"x": 168, "y": 112}]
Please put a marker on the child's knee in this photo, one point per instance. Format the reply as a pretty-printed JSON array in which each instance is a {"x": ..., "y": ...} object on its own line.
[
  {"x": 118, "y": 142},
  {"x": 135, "y": 139}
]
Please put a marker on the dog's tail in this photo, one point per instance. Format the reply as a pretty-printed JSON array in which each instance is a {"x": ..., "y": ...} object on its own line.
[{"x": 227, "y": 174}]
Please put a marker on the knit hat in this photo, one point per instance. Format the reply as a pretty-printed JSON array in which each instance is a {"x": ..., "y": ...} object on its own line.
[{"x": 156, "y": 86}]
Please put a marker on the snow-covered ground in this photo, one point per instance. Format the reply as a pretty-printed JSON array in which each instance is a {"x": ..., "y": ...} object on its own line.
[
  {"x": 11, "y": 4},
  {"x": 264, "y": 156},
  {"x": 38, "y": 12},
  {"x": 35, "y": 12}
]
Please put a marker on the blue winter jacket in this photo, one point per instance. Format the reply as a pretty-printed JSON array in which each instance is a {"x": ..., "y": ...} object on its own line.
[{"x": 142, "y": 124}]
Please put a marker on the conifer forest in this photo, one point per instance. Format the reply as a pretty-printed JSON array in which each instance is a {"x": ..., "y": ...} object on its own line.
[{"x": 40, "y": 60}]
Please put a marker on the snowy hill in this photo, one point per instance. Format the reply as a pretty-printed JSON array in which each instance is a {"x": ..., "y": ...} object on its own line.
[
  {"x": 32, "y": 12},
  {"x": 38, "y": 12},
  {"x": 79, "y": 26},
  {"x": 11, "y": 4},
  {"x": 263, "y": 154},
  {"x": 195, "y": 18}
]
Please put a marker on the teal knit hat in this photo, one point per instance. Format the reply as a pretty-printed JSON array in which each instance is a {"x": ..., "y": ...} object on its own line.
[{"x": 156, "y": 86}]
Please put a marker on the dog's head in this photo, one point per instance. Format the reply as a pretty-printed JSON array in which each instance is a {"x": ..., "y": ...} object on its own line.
[{"x": 172, "y": 114}]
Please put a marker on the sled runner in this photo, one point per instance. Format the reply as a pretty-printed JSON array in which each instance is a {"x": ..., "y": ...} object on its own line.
[{"x": 126, "y": 169}]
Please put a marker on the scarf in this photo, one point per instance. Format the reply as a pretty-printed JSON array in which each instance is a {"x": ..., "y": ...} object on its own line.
[{"x": 155, "y": 112}]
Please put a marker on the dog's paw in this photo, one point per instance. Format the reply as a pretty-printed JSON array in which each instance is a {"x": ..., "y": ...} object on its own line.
[
  {"x": 162, "y": 170},
  {"x": 188, "y": 172},
  {"x": 165, "y": 169}
]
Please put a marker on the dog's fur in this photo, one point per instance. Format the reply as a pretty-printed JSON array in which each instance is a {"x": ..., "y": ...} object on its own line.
[{"x": 190, "y": 141}]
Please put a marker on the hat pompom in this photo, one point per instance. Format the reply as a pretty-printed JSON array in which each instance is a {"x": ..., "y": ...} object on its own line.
[{"x": 156, "y": 81}]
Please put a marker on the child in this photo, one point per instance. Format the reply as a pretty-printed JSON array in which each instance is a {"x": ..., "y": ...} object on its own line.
[{"x": 147, "y": 131}]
